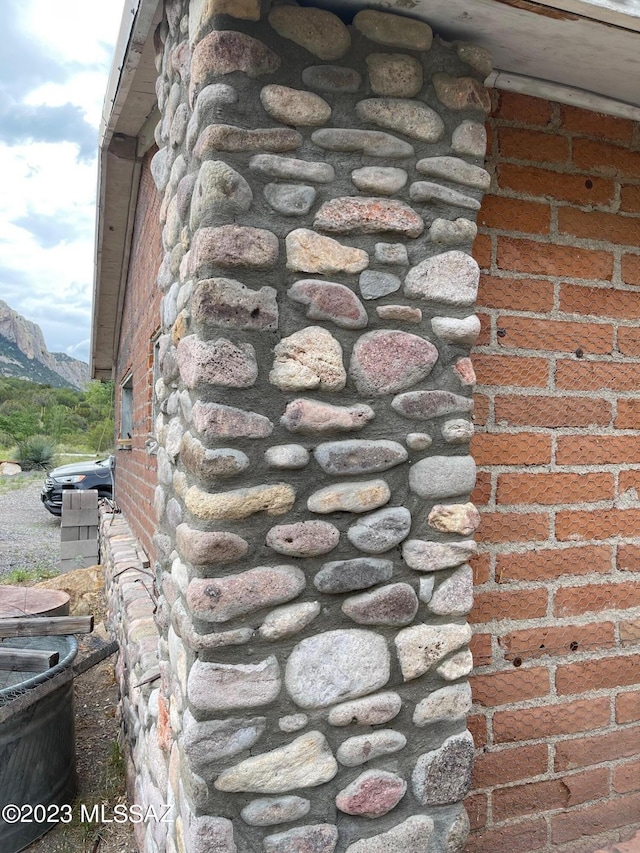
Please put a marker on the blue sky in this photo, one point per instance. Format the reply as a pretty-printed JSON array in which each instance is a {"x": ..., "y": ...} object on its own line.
[{"x": 54, "y": 66}]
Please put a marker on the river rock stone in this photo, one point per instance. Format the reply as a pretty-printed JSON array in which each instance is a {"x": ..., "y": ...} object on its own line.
[
  {"x": 374, "y": 284},
  {"x": 442, "y": 706},
  {"x": 372, "y": 794},
  {"x": 232, "y": 246},
  {"x": 289, "y": 620},
  {"x": 385, "y": 362},
  {"x": 426, "y": 556},
  {"x": 290, "y": 169},
  {"x": 218, "y": 362},
  {"x": 410, "y": 836},
  {"x": 394, "y": 75},
  {"x": 330, "y": 301},
  {"x": 219, "y": 193},
  {"x": 321, "y": 33},
  {"x": 463, "y": 519},
  {"x": 304, "y": 763},
  {"x": 457, "y": 666},
  {"x": 457, "y": 431},
  {"x": 224, "y": 51},
  {"x": 383, "y": 180},
  {"x": 363, "y": 215},
  {"x": 461, "y": 93},
  {"x": 401, "y": 313},
  {"x": 371, "y": 711},
  {"x": 465, "y": 372},
  {"x": 208, "y": 464},
  {"x": 391, "y": 253},
  {"x": 458, "y": 833},
  {"x": 274, "y": 499},
  {"x": 202, "y": 12},
  {"x": 443, "y": 776},
  {"x": 420, "y": 647},
  {"x": 349, "y": 575},
  {"x": 451, "y": 233},
  {"x": 204, "y": 834},
  {"x": 419, "y": 440},
  {"x": 424, "y": 405},
  {"x": 380, "y": 531},
  {"x": 207, "y": 744},
  {"x": 293, "y": 722},
  {"x": 290, "y": 199},
  {"x": 350, "y": 497},
  {"x": 426, "y": 191},
  {"x": 362, "y": 748},
  {"x": 228, "y": 137},
  {"x": 310, "y": 252},
  {"x": 479, "y": 58},
  {"x": 316, "y": 838},
  {"x": 210, "y": 102},
  {"x": 215, "y": 421},
  {"x": 451, "y": 277},
  {"x": 335, "y": 666},
  {"x": 274, "y": 810},
  {"x": 219, "y": 687},
  {"x": 438, "y": 477},
  {"x": 411, "y": 118},
  {"x": 369, "y": 143},
  {"x": 470, "y": 137},
  {"x": 220, "y": 599},
  {"x": 287, "y": 456},
  {"x": 395, "y": 604},
  {"x": 308, "y": 359},
  {"x": 358, "y": 457},
  {"x": 425, "y": 588},
  {"x": 202, "y": 548},
  {"x": 455, "y": 170},
  {"x": 310, "y": 417},
  {"x": 227, "y": 304},
  {"x": 303, "y": 538},
  {"x": 336, "y": 79},
  {"x": 457, "y": 331},
  {"x": 394, "y": 30},
  {"x": 294, "y": 107}
]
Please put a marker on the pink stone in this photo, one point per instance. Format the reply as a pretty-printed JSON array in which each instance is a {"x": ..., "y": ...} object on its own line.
[
  {"x": 310, "y": 417},
  {"x": 216, "y": 363},
  {"x": 226, "y": 303},
  {"x": 303, "y": 538},
  {"x": 202, "y": 548},
  {"x": 386, "y": 362},
  {"x": 226, "y": 51},
  {"x": 215, "y": 421},
  {"x": 372, "y": 794},
  {"x": 360, "y": 215},
  {"x": 330, "y": 301},
  {"x": 395, "y": 604},
  {"x": 461, "y": 93},
  {"x": 464, "y": 368},
  {"x": 232, "y": 246},
  {"x": 227, "y": 137}
]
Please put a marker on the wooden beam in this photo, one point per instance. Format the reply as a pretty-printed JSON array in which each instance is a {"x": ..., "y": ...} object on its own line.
[
  {"x": 23, "y": 660},
  {"x": 47, "y": 626}
]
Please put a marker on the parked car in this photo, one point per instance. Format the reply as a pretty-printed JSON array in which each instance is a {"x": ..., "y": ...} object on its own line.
[{"x": 78, "y": 475}]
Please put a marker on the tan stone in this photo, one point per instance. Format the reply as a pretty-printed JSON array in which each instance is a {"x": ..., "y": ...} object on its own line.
[
  {"x": 295, "y": 107},
  {"x": 320, "y": 32},
  {"x": 85, "y": 588},
  {"x": 202, "y": 12},
  {"x": 479, "y": 58},
  {"x": 236, "y": 504},
  {"x": 394, "y": 75},
  {"x": 422, "y": 646},
  {"x": 350, "y": 497},
  {"x": 310, "y": 252},
  {"x": 461, "y": 93},
  {"x": 308, "y": 359},
  {"x": 455, "y": 518},
  {"x": 394, "y": 30}
]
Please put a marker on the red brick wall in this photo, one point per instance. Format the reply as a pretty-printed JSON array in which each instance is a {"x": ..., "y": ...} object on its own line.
[
  {"x": 135, "y": 470},
  {"x": 557, "y": 610}
]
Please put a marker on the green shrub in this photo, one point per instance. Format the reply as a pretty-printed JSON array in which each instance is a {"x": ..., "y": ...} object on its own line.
[{"x": 36, "y": 452}]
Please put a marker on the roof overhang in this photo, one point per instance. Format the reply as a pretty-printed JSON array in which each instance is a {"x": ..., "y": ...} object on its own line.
[{"x": 581, "y": 52}]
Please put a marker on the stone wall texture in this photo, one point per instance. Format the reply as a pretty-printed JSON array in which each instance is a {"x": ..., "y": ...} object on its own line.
[
  {"x": 557, "y": 413},
  {"x": 320, "y": 184}
]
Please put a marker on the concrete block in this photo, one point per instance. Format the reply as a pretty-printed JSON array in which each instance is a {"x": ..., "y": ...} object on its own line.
[{"x": 82, "y": 548}]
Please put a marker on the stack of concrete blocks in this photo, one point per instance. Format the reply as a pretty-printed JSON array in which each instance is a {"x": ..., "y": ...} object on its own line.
[{"x": 79, "y": 530}]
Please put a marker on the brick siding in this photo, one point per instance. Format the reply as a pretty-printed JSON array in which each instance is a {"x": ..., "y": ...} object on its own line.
[
  {"x": 557, "y": 610},
  {"x": 135, "y": 470}
]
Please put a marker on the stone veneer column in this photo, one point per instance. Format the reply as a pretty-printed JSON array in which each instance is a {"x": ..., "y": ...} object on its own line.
[{"x": 320, "y": 187}]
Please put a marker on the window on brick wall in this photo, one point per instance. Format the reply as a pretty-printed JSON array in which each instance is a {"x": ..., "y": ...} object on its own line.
[{"x": 126, "y": 409}]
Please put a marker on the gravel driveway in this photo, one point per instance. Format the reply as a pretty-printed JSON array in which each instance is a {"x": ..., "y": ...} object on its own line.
[{"x": 29, "y": 535}]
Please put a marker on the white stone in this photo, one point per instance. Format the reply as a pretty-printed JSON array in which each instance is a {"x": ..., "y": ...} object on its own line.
[
  {"x": 362, "y": 748},
  {"x": 422, "y": 646},
  {"x": 288, "y": 620},
  {"x": 470, "y": 137},
  {"x": 454, "y": 596},
  {"x": 451, "y": 277},
  {"x": 372, "y": 711},
  {"x": 458, "y": 666},
  {"x": 445, "y": 705},
  {"x": 456, "y": 331}
]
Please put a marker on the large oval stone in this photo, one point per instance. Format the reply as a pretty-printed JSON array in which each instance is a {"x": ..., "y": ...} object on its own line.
[
  {"x": 348, "y": 575},
  {"x": 424, "y": 405},
  {"x": 290, "y": 169},
  {"x": 310, "y": 417},
  {"x": 236, "y": 504},
  {"x": 310, "y": 252},
  {"x": 228, "y": 137},
  {"x": 304, "y": 763},
  {"x": 358, "y": 457},
  {"x": 294, "y": 107},
  {"x": 335, "y": 666},
  {"x": 394, "y": 30},
  {"x": 327, "y": 300},
  {"x": 320, "y": 32},
  {"x": 361, "y": 215},
  {"x": 227, "y": 304},
  {"x": 438, "y": 477},
  {"x": 308, "y": 359},
  {"x": 350, "y": 497},
  {"x": 203, "y": 548},
  {"x": 232, "y": 246},
  {"x": 380, "y": 531},
  {"x": 218, "y": 600},
  {"x": 395, "y": 604},
  {"x": 303, "y": 538},
  {"x": 451, "y": 277},
  {"x": 370, "y": 143},
  {"x": 372, "y": 794},
  {"x": 385, "y": 362},
  {"x": 412, "y": 118}
]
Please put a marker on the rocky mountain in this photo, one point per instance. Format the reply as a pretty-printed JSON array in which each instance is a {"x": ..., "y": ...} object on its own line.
[{"x": 24, "y": 354}]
